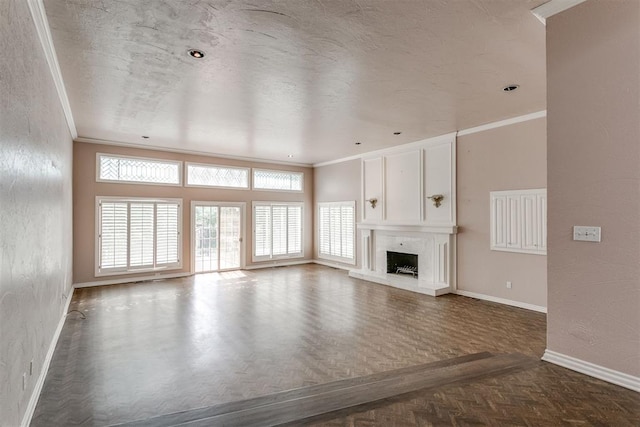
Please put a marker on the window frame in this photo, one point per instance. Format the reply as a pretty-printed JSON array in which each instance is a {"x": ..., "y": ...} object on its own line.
[
  {"x": 271, "y": 257},
  {"x": 329, "y": 257},
  {"x": 149, "y": 159},
  {"x": 98, "y": 272},
  {"x": 224, "y": 187},
  {"x": 253, "y": 180}
]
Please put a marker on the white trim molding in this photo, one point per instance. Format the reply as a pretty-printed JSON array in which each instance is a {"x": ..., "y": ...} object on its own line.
[
  {"x": 394, "y": 149},
  {"x": 501, "y": 123},
  {"x": 270, "y": 264},
  {"x": 121, "y": 280},
  {"x": 333, "y": 264},
  {"x": 35, "y": 395},
  {"x": 553, "y": 7},
  {"x": 462, "y": 132},
  {"x": 593, "y": 370},
  {"x": 36, "y": 7},
  {"x": 505, "y": 301}
]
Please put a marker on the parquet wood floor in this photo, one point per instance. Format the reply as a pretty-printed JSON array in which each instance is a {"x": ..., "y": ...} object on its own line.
[{"x": 162, "y": 347}]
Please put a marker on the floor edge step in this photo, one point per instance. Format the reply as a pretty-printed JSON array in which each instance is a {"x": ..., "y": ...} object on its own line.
[{"x": 306, "y": 402}]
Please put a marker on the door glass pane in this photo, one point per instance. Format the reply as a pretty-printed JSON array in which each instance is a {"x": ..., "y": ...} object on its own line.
[
  {"x": 206, "y": 236},
  {"x": 229, "y": 237}
]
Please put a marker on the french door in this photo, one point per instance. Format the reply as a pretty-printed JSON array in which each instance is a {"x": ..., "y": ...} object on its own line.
[{"x": 217, "y": 236}]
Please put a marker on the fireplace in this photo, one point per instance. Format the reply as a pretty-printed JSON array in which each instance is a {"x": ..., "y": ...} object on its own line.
[{"x": 402, "y": 263}]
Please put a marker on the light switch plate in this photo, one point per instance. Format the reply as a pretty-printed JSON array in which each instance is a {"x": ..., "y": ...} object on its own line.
[{"x": 586, "y": 233}]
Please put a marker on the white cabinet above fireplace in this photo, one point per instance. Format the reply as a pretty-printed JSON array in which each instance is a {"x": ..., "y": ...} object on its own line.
[{"x": 413, "y": 184}]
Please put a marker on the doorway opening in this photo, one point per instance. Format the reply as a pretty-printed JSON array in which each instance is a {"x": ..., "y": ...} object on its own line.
[{"x": 217, "y": 236}]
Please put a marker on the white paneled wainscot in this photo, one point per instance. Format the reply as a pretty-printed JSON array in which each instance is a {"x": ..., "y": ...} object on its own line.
[{"x": 408, "y": 224}]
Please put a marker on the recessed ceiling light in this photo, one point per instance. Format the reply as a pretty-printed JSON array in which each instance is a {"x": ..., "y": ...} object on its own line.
[
  {"x": 196, "y": 53},
  {"x": 510, "y": 88},
  {"x": 397, "y": 133},
  {"x": 145, "y": 137},
  {"x": 290, "y": 156}
]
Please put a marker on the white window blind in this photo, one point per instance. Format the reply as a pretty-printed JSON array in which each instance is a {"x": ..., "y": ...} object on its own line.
[
  {"x": 262, "y": 225},
  {"x": 519, "y": 221},
  {"x": 113, "y": 235},
  {"x": 336, "y": 229},
  {"x": 138, "y": 235},
  {"x": 217, "y": 176},
  {"x": 277, "y": 230},
  {"x": 141, "y": 217},
  {"x": 138, "y": 170},
  {"x": 265, "y": 179},
  {"x": 167, "y": 233}
]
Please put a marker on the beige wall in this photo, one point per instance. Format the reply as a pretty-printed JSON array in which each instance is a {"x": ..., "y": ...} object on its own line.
[
  {"x": 35, "y": 209},
  {"x": 506, "y": 158},
  {"x": 338, "y": 182},
  {"x": 593, "y": 67},
  {"x": 86, "y": 189}
]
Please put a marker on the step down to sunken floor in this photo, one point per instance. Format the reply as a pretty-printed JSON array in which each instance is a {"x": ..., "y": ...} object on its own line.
[{"x": 306, "y": 402}]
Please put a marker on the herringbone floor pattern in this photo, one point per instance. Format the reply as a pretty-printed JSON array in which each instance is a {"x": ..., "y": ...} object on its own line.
[{"x": 168, "y": 346}]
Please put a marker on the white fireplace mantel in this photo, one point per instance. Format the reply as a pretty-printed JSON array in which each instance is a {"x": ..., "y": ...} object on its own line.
[
  {"x": 434, "y": 245},
  {"x": 442, "y": 229}
]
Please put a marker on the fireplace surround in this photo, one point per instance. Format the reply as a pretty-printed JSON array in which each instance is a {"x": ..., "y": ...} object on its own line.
[{"x": 434, "y": 248}]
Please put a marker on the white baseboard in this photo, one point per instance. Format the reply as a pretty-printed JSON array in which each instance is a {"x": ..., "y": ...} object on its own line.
[
  {"x": 35, "y": 395},
  {"x": 505, "y": 301},
  {"x": 593, "y": 370},
  {"x": 276, "y": 264},
  {"x": 333, "y": 264},
  {"x": 129, "y": 280}
]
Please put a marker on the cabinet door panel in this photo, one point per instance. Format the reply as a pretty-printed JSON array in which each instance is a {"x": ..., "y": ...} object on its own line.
[
  {"x": 513, "y": 222},
  {"x": 542, "y": 222},
  {"x": 498, "y": 222},
  {"x": 529, "y": 223}
]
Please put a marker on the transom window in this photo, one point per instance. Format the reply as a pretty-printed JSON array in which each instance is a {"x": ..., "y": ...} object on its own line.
[
  {"x": 138, "y": 235},
  {"x": 217, "y": 176},
  {"x": 138, "y": 170},
  {"x": 277, "y": 230},
  {"x": 266, "y": 179},
  {"x": 336, "y": 231}
]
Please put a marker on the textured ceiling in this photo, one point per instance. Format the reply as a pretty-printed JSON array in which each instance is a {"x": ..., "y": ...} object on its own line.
[{"x": 300, "y": 77}]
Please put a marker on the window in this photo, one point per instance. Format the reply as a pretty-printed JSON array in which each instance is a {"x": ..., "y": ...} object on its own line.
[
  {"x": 519, "y": 221},
  {"x": 111, "y": 168},
  {"x": 137, "y": 235},
  {"x": 264, "y": 179},
  {"x": 277, "y": 231},
  {"x": 336, "y": 228},
  {"x": 217, "y": 176}
]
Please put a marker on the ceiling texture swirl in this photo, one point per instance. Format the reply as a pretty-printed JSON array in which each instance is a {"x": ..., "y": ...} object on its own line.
[{"x": 300, "y": 78}]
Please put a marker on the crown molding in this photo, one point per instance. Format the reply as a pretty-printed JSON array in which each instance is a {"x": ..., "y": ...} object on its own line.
[
  {"x": 393, "y": 149},
  {"x": 463, "y": 132},
  {"x": 183, "y": 151},
  {"x": 501, "y": 123},
  {"x": 39, "y": 16},
  {"x": 553, "y": 7}
]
